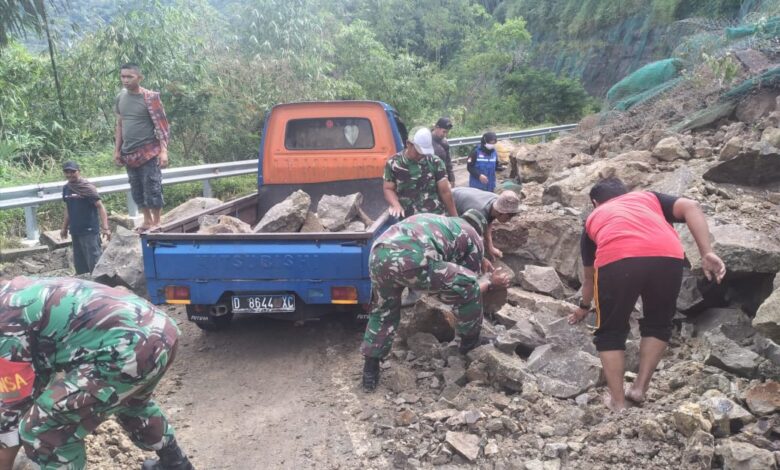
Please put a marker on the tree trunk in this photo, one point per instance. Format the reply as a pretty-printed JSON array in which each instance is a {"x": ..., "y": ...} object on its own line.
[{"x": 45, "y": 19}]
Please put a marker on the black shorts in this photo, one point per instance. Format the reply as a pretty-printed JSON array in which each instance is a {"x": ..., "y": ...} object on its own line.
[
  {"x": 618, "y": 285},
  {"x": 146, "y": 184}
]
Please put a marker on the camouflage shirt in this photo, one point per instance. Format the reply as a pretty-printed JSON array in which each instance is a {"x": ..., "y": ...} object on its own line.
[
  {"x": 416, "y": 183},
  {"x": 60, "y": 324},
  {"x": 436, "y": 237}
]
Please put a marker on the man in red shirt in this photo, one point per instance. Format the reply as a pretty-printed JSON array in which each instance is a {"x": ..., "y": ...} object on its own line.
[{"x": 630, "y": 250}]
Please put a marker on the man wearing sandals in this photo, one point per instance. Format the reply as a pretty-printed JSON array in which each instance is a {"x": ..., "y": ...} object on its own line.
[
  {"x": 630, "y": 250},
  {"x": 141, "y": 137}
]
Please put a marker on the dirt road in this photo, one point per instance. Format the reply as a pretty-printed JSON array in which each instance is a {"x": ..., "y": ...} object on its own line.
[{"x": 268, "y": 394}]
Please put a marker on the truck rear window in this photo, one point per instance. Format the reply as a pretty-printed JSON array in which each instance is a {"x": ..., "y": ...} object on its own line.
[{"x": 329, "y": 134}]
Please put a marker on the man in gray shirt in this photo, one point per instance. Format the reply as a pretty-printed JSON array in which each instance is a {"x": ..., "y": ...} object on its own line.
[
  {"x": 141, "y": 143},
  {"x": 493, "y": 206}
]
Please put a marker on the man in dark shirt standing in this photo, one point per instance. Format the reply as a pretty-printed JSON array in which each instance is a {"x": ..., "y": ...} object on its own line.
[
  {"x": 141, "y": 143},
  {"x": 441, "y": 148},
  {"x": 85, "y": 217}
]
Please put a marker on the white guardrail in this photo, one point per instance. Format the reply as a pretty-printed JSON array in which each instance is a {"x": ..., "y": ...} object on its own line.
[{"x": 32, "y": 195}]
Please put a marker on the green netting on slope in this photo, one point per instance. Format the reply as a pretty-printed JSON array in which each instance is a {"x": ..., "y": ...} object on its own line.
[
  {"x": 644, "y": 83},
  {"x": 728, "y": 101},
  {"x": 624, "y": 105},
  {"x": 768, "y": 28},
  {"x": 768, "y": 79}
]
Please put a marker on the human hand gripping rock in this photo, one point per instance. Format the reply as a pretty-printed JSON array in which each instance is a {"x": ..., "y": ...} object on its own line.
[{"x": 713, "y": 267}]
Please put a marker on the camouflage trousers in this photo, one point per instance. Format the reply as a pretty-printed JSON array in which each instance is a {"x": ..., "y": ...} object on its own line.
[
  {"x": 392, "y": 269},
  {"x": 67, "y": 410}
]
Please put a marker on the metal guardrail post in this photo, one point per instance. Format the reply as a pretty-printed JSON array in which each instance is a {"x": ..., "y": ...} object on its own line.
[
  {"x": 31, "y": 223},
  {"x": 207, "y": 189},
  {"x": 132, "y": 208}
]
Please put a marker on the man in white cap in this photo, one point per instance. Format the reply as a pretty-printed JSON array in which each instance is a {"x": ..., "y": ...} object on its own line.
[
  {"x": 494, "y": 207},
  {"x": 416, "y": 180}
]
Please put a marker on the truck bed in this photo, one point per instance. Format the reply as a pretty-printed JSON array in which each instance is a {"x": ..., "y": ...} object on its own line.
[{"x": 214, "y": 266}]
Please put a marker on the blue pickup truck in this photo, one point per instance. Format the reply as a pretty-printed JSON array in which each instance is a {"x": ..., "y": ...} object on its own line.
[{"x": 336, "y": 148}]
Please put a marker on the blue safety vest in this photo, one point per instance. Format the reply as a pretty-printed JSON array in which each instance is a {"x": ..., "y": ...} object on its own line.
[{"x": 485, "y": 165}]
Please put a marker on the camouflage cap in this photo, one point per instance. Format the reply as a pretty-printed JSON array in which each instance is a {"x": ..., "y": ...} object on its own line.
[{"x": 476, "y": 219}]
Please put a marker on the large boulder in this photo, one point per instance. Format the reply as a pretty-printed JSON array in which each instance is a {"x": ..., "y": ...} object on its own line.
[
  {"x": 755, "y": 166},
  {"x": 743, "y": 250},
  {"x": 522, "y": 338},
  {"x": 564, "y": 373},
  {"x": 286, "y": 216},
  {"x": 188, "y": 209},
  {"x": 670, "y": 149},
  {"x": 674, "y": 183},
  {"x": 771, "y": 136},
  {"x": 312, "y": 223},
  {"x": 545, "y": 309},
  {"x": 743, "y": 456},
  {"x": 335, "y": 212},
  {"x": 573, "y": 187},
  {"x": 122, "y": 263},
  {"x": 430, "y": 316},
  {"x": 726, "y": 354},
  {"x": 505, "y": 370},
  {"x": 726, "y": 416},
  {"x": 699, "y": 451},
  {"x": 542, "y": 279},
  {"x": 212, "y": 224},
  {"x": 767, "y": 319},
  {"x": 576, "y": 337},
  {"x": 544, "y": 238},
  {"x": 538, "y": 162}
]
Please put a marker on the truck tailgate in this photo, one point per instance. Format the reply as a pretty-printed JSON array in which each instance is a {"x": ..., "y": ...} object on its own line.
[{"x": 270, "y": 260}]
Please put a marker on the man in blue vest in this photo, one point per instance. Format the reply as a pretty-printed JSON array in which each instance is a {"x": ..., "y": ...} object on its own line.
[{"x": 482, "y": 163}]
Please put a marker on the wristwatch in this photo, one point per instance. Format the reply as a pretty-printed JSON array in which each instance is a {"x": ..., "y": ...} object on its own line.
[{"x": 585, "y": 306}]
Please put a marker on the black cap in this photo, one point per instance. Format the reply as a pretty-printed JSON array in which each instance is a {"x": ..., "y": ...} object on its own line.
[
  {"x": 444, "y": 123},
  {"x": 70, "y": 166}
]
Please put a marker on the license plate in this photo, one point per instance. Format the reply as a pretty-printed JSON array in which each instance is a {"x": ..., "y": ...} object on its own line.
[{"x": 263, "y": 303}]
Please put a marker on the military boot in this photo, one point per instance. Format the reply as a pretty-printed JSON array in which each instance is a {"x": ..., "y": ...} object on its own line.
[
  {"x": 370, "y": 374},
  {"x": 171, "y": 458},
  {"x": 467, "y": 343}
]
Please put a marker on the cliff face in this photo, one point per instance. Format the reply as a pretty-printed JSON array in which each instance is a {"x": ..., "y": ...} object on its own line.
[{"x": 601, "y": 51}]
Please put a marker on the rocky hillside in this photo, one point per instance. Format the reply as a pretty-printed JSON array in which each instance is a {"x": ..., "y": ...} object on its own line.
[{"x": 601, "y": 42}]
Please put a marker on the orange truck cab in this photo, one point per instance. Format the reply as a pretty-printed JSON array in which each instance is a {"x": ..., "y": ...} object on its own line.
[{"x": 334, "y": 148}]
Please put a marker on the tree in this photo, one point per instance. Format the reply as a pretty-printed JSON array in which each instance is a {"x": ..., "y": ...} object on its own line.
[{"x": 17, "y": 17}]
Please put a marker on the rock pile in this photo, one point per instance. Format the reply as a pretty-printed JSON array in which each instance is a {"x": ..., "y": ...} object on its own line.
[{"x": 533, "y": 399}]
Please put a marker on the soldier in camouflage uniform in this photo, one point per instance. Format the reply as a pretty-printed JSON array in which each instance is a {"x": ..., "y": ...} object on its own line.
[
  {"x": 416, "y": 180},
  {"x": 72, "y": 353},
  {"x": 432, "y": 253}
]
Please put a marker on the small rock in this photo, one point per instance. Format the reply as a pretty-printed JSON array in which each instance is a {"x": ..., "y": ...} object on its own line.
[
  {"x": 743, "y": 456},
  {"x": 699, "y": 451},
  {"x": 464, "y": 444},
  {"x": 669, "y": 149},
  {"x": 542, "y": 279},
  {"x": 405, "y": 418},
  {"x": 771, "y": 135},
  {"x": 491, "y": 448},
  {"x": 764, "y": 399},
  {"x": 689, "y": 417},
  {"x": 727, "y": 416},
  {"x": 651, "y": 430},
  {"x": 731, "y": 148},
  {"x": 399, "y": 380}
]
